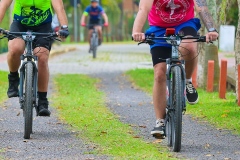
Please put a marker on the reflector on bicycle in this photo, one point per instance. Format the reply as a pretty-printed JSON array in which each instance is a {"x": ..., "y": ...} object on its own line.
[{"x": 170, "y": 31}]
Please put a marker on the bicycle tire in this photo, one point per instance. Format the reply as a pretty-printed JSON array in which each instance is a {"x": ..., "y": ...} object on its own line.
[
  {"x": 169, "y": 130},
  {"x": 28, "y": 100},
  {"x": 176, "y": 114},
  {"x": 94, "y": 44}
]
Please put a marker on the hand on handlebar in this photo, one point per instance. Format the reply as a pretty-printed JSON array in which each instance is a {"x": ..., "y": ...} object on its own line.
[
  {"x": 211, "y": 36},
  {"x": 138, "y": 37},
  {"x": 105, "y": 24},
  {"x": 63, "y": 33},
  {"x": 2, "y": 31}
]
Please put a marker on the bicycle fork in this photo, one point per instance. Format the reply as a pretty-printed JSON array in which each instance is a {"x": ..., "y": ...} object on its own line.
[
  {"x": 22, "y": 78},
  {"x": 181, "y": 64}
]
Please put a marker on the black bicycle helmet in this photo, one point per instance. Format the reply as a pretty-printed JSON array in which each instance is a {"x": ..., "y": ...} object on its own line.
[{"x": 94, "y": 0}]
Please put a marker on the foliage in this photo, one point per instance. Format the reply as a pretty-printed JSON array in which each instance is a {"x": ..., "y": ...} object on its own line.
[
  {"x": 5, "y": 25},
  {"x": 228, "y": 12},
  {"x": 83, "y": 107}
]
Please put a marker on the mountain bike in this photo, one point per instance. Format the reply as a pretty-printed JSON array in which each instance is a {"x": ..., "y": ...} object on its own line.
[
  {"x": 94, "y": 40},
  {"x": 176, "y": 77},
  {"x": 28, "y": 75}
]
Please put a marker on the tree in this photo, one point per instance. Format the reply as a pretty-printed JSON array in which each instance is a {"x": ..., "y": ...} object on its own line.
[
  {"x": 237, "y": 49},
  {"x": 208, "y": 52}
]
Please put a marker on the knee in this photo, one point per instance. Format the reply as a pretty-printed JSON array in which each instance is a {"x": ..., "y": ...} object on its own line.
[
  {"x": 14, "y": 50},
  {"x": 43, "y": 59},
  {"x": 159, "y": 76}
]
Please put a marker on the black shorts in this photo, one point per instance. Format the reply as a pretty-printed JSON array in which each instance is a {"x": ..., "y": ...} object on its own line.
[
  {"x": 161, "y": 53},
  {"x": 39, "y": 41},
  {"x": 93, "y": 22}
]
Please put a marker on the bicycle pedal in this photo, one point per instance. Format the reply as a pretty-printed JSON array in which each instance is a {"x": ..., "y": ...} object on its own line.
[{"x": 159, "y": 136}]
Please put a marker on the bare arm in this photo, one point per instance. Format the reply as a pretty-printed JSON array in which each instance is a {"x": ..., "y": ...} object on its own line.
[
  {"x": 202, "y": 9},
  {"x": 144, "y": 8},
  {"x": 4, "y": 5},
  {"x": 60, "y": 11},
  {"x": 83, "y": 18},
  {"x": 105, "y": 17}
]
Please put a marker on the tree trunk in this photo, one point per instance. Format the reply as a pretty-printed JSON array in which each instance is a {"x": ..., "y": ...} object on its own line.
[
  {"x": 237, "y": 49},
  {"x": 208, "y": 52}
]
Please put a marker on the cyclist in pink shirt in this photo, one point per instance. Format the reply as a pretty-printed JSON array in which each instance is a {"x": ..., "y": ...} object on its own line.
[{"x": 178, "y": 14}]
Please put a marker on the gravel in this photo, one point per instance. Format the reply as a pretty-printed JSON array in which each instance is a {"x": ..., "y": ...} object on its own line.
[{"x": 52, "y": 139}]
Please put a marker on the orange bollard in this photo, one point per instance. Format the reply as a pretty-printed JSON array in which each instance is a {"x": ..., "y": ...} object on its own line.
[
  {"x": 238, "y": 85},
  {"x": 223, "y": 79},
  {"x": 194, "y": 78},
  {"x": 210, "y": 76}
]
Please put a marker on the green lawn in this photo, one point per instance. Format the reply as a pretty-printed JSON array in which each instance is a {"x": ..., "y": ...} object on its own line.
[
  {"x": 81, "y": 104},
  {"x": 3, "y": 95},
  {"x": 222, "y": 113},
  {"x": 3, "y": 85}
]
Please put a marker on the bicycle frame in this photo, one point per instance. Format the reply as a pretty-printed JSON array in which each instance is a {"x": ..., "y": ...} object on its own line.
[
  {"x": 175, "y": 61},
  {"x": 26, "y": 58}
]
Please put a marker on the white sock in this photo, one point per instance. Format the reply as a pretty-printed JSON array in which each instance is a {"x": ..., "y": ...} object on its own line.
[
  {"x": 188, "y": 80},
  {"x": 159, "y": 122}
]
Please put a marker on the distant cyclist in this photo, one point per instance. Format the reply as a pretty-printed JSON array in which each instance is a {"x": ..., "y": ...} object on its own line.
[{"x": 95, "y": 12}]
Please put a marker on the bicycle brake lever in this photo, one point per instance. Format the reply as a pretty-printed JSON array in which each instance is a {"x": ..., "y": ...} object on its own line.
[
  {"x": 141, "y": 42},
  {"x": 57, "y": 39}
]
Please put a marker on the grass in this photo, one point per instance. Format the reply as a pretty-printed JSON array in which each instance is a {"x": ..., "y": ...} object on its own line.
[
  {"x": 3, "y": 85},
  {"x": 3, "y": 95},
  {"x": 1, "y": 151},
  {"x": 222, "y": 113},
  {"x": 83, "y": 107}
]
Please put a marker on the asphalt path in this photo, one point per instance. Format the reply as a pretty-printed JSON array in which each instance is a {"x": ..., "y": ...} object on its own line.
[{"x": 53, "y": 139}]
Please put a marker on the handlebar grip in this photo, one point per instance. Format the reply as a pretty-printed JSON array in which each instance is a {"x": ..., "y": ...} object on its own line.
[
  {"x": 203, "y": 38},
  {"x": 3, "y": 31}
]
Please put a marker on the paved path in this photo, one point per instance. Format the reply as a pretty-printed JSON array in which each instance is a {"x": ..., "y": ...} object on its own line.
[{"x": 200, "y": 141}]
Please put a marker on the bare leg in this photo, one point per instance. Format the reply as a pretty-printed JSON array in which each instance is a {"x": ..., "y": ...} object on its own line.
[
  {"x": 16, "y": 48},
  {"x": 190, "y": 57},
  {"x": 43, "y": 70},
  {"x": 159, "y": 90},
  {"x": 89, "y": 36},
  {"x": 99, "y": 28}
]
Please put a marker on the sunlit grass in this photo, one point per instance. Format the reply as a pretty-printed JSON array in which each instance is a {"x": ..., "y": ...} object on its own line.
[
  {"x": 223, "y": 113},
  {"x": 3, "y": 85},
  {"x": 82, "y": 105}
]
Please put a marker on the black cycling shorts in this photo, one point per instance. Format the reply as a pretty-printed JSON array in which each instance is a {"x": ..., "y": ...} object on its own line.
[
  {"x": 161, "y": 53},
  {"x": 94, "y": 22},
  {"x": 39, "y": 41}
]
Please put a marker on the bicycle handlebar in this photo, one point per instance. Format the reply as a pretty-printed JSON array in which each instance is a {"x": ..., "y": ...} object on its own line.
[
  {"x": 49, "y": 35},
  {"x": 150, "y": 39}
]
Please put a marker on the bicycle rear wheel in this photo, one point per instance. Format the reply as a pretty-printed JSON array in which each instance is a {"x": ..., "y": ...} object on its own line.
[
  {"x": 177, "y": 104},
  {"x": 28, "y": 100}
]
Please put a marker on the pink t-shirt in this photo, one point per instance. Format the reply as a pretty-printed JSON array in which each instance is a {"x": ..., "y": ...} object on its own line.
[{"x": 170, "y": 13}]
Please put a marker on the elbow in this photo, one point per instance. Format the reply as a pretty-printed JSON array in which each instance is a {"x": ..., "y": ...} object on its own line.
[{"x": 143, "y": 10}]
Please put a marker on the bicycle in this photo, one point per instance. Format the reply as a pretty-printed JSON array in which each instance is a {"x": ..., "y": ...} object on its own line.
[
  {"x": 176, "y": 77},
  {"x": 28, "y": 76},
  {"x": 94, "y": 40}
]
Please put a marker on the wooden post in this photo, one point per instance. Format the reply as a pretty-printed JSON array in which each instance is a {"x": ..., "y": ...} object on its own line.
[
  {"x": 210, "y": 76},
  {"x": 194, "y": 78},
  {"x": 223, "y": 79}
]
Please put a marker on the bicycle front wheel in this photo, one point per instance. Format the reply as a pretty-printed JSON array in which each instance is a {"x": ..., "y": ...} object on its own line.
[
  {"x": 94, "y": 45},
  {"x": 177, "y": 104},
  {"x": 28, "y": 100}
]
